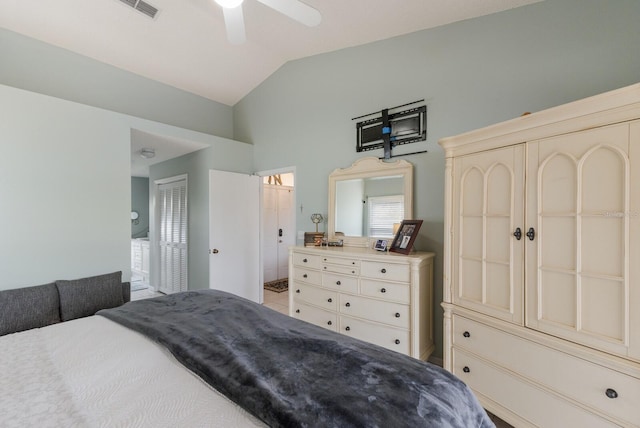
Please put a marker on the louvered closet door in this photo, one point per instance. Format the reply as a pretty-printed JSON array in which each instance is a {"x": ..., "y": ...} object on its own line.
[
  {"x": 488, "y": 206},
  {"x": 582, "y": 266},
  {"x": 172, "y": 200}
]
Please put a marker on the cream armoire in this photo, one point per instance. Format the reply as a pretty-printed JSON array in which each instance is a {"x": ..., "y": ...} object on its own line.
[{"x": 542, "y": 263}]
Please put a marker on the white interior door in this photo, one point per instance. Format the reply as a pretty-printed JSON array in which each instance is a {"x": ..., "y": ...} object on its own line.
[
  {"x": 270, "y": 232},
  {"x": 286, "y": 230},
  {"x": 234, "y": 234},
  {"x": 171, "y": 200}
]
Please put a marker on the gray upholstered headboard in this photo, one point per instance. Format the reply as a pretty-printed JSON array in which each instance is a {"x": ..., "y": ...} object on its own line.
[{"x": 63, "y": 300}]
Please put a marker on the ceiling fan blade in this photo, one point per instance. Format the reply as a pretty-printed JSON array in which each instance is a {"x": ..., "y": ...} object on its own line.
[
  {"x": 296, "y": 10},
  {"x": 234, "y": 22}
]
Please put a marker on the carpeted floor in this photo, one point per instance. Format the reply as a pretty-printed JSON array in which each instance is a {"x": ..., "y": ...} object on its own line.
[{"x": 278, "y": 286}]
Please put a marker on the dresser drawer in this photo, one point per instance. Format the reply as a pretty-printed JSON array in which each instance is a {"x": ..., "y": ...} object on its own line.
[
  {"x": 386, "y": 290},
  {"x": 308, "y": 260},
  {"x": 307, "y": 275},
  {"x": 315, "y": 316},
  {"x": 316, "y": 296},
  {"x": 386, "y": 271},
  {"x": 388, "y": 337},
  {"x": 390, "y": 313},
  {"x": 584, "y": 381},
  {"x": 533, "y": 404},
  {"x": 340, "y": 282},
  {"x": 340, "y": 261}
]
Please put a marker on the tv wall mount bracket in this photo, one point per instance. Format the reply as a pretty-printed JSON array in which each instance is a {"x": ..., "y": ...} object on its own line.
[{"x": 389, "y": 128}]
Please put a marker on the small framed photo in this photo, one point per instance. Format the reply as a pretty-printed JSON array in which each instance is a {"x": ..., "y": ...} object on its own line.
[
  {"x": 407, "y": 233},
  {"x": 381, "y": 245}
]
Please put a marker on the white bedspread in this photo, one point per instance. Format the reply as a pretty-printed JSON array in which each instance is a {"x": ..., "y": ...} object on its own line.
[{"x": 92, "y": 372}]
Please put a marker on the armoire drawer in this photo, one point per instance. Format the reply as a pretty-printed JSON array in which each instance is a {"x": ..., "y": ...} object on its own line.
[
  {"x": 316, "y": 296},
  {"x": 386, "y": 271},
  {"x": 582, "y": 380},
  {"x": 307, "y": 275},
  {"x": 340, "y": 282},
  {"x": 388, "y": 337},
  {"x": 394, "y": 314},
  {"x": 307, "y": 260},
  {"x": 315, "y": 316},
  {"x": 521, "y": 397},
  {"x": 386, "y": 290}
]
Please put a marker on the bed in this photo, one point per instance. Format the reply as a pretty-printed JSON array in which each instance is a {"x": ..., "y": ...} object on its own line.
[{"x": 211, "y": 359}]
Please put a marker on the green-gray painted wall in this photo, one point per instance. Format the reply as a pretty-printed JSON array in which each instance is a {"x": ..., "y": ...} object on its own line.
[{"x": 471, "y": 74}]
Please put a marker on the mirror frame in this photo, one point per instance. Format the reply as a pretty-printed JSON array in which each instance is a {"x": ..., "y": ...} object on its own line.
[{"x": 368, "y": 167}]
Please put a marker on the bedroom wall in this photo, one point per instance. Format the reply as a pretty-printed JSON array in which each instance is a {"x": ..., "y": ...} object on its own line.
[
  {"x": 471, "y": 74},
  {"x": 36, "y": 66},
  {"x": 140, "y": 203},
  {"x": 65, "y": 186}
]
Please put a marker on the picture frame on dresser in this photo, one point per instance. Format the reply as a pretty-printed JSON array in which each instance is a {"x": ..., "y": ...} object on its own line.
[
  {"x": 381, "y": 245},
  {"x": 406, "y": 235}
]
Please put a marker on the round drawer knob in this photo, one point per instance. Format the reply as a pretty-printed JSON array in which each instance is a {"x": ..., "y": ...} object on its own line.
[
  {"x": 383, "y": 270},
  {"x": 397, "y": 341},
  {"x": 611, "y": 393},
  {"x": 297, "y": 311},
  {"x": 298, "y": 291},
  {"x": 329, "y": 300},
  {"x": 324, "y": 260},
  {"x": 304, "y": 260},
  {"x": 304, "y": 276},
  {"x": 466, "y": 334},
  {"x": 338, "y": 283},
  {"x": 347, "y": 328},
  {"x": 353, "y": 263},
  {"x": 397, "y": 314},
  {"x": 329, "y": 323},
  {"x": 348, "y": 304},
  {"x": 384, "y": 290},
  {"x": 466, "y": 369}
]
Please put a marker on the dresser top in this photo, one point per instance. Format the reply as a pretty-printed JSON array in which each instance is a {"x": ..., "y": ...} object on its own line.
[{"x": 363, "y": 252}]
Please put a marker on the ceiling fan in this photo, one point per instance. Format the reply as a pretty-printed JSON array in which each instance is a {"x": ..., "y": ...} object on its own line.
[{"x": 294, "y": 9}]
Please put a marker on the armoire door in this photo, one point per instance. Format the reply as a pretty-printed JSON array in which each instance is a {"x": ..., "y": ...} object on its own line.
[
  {"x": 582, "y": 264},
  {"x": 488, "y": 207}
]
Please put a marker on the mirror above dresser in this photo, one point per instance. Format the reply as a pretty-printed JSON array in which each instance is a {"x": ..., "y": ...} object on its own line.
[{"x": 367, "y": 199}]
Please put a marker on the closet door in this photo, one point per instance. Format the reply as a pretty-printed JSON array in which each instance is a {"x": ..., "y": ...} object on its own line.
[
  {"x": 582, "y": 261},
  {"x": 172, "y": 200},
  {"x": 488, "y": 206}
]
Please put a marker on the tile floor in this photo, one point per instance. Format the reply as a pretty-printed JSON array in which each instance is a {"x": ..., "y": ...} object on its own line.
[{"x": 277, "y": 301}]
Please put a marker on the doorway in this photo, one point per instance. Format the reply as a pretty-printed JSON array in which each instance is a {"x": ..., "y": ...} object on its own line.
[{"x": 278, "y": 234}]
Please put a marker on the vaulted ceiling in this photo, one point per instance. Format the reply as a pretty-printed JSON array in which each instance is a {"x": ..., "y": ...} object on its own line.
[{"x": 186, "y": 46}]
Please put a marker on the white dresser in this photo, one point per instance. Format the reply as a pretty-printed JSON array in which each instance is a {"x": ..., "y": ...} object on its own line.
[
  {"x": 382, "y": 298},
  {"x": 542, "y": 264}
]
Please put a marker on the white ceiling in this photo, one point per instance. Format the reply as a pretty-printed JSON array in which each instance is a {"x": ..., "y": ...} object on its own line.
[{"x": 186, "y": 47}]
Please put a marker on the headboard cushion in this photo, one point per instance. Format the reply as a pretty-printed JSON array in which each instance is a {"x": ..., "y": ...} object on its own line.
[
  {"x": 29, "y": 307},
  {"x": 86, "y": 296}
]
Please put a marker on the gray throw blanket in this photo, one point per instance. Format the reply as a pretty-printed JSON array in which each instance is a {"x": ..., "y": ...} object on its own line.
[{"x": 290, "y": 373}]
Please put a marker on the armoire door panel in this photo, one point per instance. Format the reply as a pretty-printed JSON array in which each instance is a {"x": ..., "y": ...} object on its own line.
[
  {"x": 634, "y": 244},
  {"x": 577, "y": 272},
  {"x": 488, "y": 207}
]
